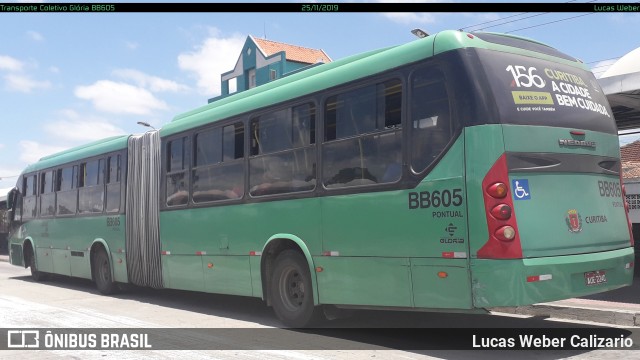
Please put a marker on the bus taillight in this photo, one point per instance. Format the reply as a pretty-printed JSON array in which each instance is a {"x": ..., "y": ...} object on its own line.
[
  {"x": 505, "y": 233},
  {"x": 504, "y": 240},
  {"x": 501, "y": 212},
  {"x": 497, "y": 190}
]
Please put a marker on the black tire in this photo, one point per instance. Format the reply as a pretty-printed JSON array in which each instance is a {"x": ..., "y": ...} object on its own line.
[
  {"x": 102, "y": 273},
  {"x": 292, "y": 291},
  {"x": 36, "y": 275}
]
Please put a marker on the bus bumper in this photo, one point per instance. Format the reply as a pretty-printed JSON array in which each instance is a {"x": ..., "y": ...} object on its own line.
[{"x": 529, "y": 281}]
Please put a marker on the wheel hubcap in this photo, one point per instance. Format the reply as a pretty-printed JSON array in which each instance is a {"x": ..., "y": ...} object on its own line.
[{"x": 292, "y": 289}]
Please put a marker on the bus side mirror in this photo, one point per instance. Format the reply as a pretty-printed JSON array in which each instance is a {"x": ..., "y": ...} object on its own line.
[
  {"x": 12, "y": 199},
  {"x": 8, "y": 217}
]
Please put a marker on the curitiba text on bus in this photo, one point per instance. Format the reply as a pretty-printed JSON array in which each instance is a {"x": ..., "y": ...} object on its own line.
[{"x": 561, "y": 88}]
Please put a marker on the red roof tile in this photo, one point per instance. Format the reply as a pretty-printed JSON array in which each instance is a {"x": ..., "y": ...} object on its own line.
[
  {"x": 630, "y": 169},
  {"x": 630, "y": 158},
  {"x": 293, "y": 52},
  {"x": 630, "y": 152}
]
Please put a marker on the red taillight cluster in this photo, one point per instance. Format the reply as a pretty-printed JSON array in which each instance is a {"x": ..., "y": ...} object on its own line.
[
  {"x": 504, "y": 241},
  {"x": 501, "y": 211}
]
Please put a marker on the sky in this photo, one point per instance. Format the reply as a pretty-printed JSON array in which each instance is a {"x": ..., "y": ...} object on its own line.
[{"x": 70, "y": 78}]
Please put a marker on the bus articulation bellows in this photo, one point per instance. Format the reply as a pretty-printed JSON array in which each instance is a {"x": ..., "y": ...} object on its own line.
[{"x": 457, "y": 172}]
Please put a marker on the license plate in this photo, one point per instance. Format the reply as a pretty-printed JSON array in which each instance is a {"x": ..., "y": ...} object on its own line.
[{"x": 595, "y": 277}]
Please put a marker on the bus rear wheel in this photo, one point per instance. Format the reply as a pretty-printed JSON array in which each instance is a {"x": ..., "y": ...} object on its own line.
[
  {"x": 102, "y": 273},
  {"x": 292, "y": 292}
]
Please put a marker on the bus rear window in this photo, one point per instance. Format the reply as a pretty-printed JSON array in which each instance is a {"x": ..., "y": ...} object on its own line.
[
  {"x": 522, "y": 44},
  {"x": 531, "y": 91}
]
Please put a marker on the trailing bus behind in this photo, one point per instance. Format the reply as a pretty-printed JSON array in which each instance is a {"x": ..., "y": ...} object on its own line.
[{"x": 458, "y": 172}]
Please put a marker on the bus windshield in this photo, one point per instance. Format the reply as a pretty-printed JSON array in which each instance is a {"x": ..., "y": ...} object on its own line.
[{"x": 533, "y": 91}]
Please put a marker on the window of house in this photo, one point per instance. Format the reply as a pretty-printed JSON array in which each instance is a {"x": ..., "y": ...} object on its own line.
[
  {"x": 252, "y": 78},
  {"x": 233, "y": 85}
]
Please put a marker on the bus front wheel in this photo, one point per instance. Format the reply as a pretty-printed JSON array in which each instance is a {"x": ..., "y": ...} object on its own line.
[
  {"x": 102, "y": 273},
  {"x": 36, "y": 275},
  {"x": 292, "y": 292}
]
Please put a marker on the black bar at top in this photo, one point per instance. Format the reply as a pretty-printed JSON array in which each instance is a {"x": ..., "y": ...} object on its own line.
[{"x": 324, "y": 7}]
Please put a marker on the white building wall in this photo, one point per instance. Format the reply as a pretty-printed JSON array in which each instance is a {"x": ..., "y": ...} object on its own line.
[{"x": 632, "y": 187}]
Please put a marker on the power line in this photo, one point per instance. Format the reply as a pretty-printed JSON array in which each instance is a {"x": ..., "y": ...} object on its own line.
[
  {"x": 489, "y": 22},
  {"x": 550, "y": 22},
  {"x": 524, "y": 18},
  {"x": 556, "y": 21},
  {"x": 538, "y": 25},
  {"x": 512, "y": 21}
]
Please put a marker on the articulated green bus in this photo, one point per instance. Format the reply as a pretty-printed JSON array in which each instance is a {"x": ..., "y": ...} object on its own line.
[{"x": 457, "y": 172}]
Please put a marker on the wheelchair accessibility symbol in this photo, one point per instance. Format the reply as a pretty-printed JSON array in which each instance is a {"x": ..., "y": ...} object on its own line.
[{"x": 521, "y": 189}]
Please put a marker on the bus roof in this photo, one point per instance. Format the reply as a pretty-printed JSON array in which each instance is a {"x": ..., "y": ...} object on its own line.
[
  {"x": 316, "y": 79},
  {"x": 353, "y": 68},
  {"x": 98, "y": 147}
]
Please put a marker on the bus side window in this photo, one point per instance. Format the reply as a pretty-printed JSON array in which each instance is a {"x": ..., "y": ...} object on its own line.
[
  {"x": 177, "y": 164},
  {"x": 47, "y": 196},
  {"x": 363, "y": 136},
  {"x": 283, "y": 151},
  {"x": 67, "y": 195},
  {"x": 91, "y": 183},
  {"x": 29, "y": 200},
  {"x": 114, "y": 164},
  {"x": 431, "y": 127},
  {"x": 218, "y": 166}
]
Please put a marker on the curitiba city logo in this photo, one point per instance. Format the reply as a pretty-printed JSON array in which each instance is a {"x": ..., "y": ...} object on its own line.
[{"x": 574, "y": 221}]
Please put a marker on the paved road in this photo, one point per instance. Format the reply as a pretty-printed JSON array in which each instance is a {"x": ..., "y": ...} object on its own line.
[{"x": 70, "y": 303}]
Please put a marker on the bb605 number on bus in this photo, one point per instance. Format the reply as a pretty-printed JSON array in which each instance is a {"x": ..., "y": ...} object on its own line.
[
  {"x": 609, "y": 188},
  {"x": 435, "y": 199}
]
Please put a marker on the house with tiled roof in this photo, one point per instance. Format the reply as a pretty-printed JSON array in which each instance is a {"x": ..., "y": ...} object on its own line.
[
  {"x": 264, "y": 60},
  {"x": 630, "y": 158}
]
